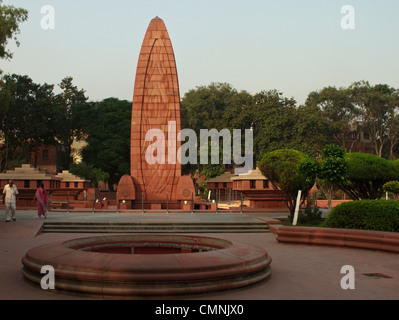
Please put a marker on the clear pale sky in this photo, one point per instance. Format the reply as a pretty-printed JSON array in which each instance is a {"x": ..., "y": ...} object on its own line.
[{"x": 293, "y": 46}]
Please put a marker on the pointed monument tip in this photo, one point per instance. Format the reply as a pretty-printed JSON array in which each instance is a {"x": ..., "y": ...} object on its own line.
[
  {"x": 156, "y": 20},
  {"x": 156, "y": 24}
]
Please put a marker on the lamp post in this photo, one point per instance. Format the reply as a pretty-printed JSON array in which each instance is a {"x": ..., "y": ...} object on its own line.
[
  {"x": 142, "y": 203},
  {"x": 192, "y": 202},
  {"x": 117, "y": 202},
  {"x": 167, "y": 202},
  {"x": 241, "y": 200}
]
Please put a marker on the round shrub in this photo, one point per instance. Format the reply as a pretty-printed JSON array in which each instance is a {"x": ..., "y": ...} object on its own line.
[
  {"x": 282, "y": 168},
  {"x": 366, "y": 175},
  {"x": 392, "y": 186},
  {"x": 379, "y": 215}
]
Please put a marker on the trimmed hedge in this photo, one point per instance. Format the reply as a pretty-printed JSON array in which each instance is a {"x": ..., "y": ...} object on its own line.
[{"x": 379, "y": 215}]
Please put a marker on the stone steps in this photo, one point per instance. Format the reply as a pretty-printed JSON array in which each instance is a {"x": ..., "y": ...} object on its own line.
[{"x": 122, "y": 227}]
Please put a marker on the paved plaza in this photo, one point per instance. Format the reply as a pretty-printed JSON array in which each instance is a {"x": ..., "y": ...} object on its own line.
[{"x": 299, "y": 272}]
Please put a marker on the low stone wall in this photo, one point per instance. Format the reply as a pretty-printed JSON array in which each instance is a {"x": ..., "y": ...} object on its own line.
[
  {"x": 324, "y": 203},
  {"x": 366, "y": 239}
]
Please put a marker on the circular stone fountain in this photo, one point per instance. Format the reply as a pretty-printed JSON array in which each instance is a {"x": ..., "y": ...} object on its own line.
[{"x": 125, "y": 266}]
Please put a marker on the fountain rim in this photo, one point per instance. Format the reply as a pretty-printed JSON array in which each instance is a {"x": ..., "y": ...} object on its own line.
[{"x": 133, "y": 275}]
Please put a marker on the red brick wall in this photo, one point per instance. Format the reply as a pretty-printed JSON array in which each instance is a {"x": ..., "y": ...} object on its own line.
[{"x": 45, "y": 158}]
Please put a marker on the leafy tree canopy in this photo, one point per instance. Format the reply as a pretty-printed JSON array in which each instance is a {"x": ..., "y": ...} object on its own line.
[
  {"x": 89, "y": 172},
  {"x": 105, "y": 126},
  {"x": 329, "y": 169},
  {"x": 392, "y": 186},
  {"x": 282, "y": 168},
  {"x": 10, "y": 19},
  {"x": 367, "y": 173}
]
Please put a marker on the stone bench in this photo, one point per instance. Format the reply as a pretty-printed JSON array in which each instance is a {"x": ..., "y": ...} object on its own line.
[
  {"x": 58, "y": 204},
  {"x": 366, "y": 239}
]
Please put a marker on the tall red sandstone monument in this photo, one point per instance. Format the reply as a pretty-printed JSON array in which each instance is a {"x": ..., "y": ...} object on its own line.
[{"x": 156, "y": 105}]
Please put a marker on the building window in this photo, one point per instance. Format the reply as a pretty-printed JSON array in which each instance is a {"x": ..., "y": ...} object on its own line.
[
  {"x": 224, "y": 184},
  {"x": 27, "y": 184},
  {"x": 252, "y": 184},
  {"x": 45, "y": 157},
  {"x": 75, "y": 184},
  {"x": 67, "y": 184},
  {"x": 216, "y": 185},
  {"x": 265, "y": 184},
  {"x": 366, "y": 135}
]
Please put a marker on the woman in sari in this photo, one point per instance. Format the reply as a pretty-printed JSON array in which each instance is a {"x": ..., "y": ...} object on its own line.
[{"x": 42, "y": 201}]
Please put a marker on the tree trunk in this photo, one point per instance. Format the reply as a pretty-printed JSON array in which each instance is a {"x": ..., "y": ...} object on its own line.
[{"x": 391, "y": 147}]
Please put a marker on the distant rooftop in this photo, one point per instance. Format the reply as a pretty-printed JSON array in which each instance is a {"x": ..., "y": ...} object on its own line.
[
  {"x": 255, "y": 174},
  {"x": 27, "y": 172},
  {"x": 67, "y": 176},
  {"x": 252, "y": 175},
  {"x": 225, "y": 177}
]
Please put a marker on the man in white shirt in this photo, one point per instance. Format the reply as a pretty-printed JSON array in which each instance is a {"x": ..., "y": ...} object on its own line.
[{"x": 10, "y": 192}]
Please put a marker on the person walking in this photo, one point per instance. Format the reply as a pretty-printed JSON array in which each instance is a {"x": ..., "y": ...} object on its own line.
[
  {"x": 10, "y": 192},
  {"x": 42, "y": 201}
]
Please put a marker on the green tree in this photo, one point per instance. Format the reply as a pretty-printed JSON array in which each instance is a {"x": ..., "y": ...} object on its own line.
[
  {"x": 338, "y": 107},
  {"x": 211, "y": 171},
  {"x": 105, "y": 126},
  {"x": 393, "y": 135},
  {"x": 312, "y": 130},
  {"x": 69, "y": 97},
  {"x": 10, "y": 19},
  {"x": 89, "y": 172},
  {"x": 379, "y": 107},
  {"x": 367, "y": 173},
  {"x": 205, "y": 106},
  {"x": 393, "y": 187},
  {"x": 28, "y": 117},
  {"x": 273, "y": 118},
  {"x": 330, "y": 170},
  {"x": 278, "y": 123},
  {"x": 209, "y": 107},
  {"x": 282, "y": 168},
  {"x": 238, "y": 114}
]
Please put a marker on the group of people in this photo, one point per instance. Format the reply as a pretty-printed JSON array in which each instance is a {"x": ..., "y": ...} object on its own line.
[{"x": 10, "y": 192}]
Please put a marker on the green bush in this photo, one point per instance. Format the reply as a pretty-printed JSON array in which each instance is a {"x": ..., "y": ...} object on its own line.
[
  {"x": 392, "y": 186},
  {"x": 310, "y": 216},
  {"x": 366, "y": 175},
  {"x": 380, "y": 215}
]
